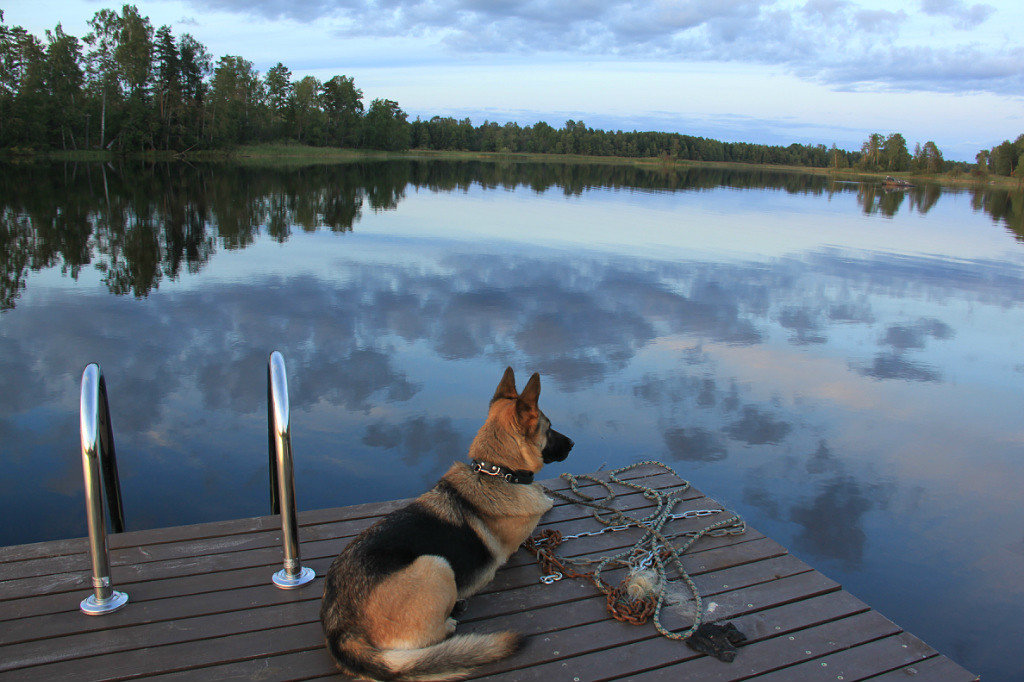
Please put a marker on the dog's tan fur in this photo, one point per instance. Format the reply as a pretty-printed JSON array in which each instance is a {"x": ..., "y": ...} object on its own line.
[{"x": 389, "y": 595}]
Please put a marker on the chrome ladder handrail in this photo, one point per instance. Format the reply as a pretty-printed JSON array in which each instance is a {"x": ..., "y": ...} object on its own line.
[
  {"x": 282, "y": 483},
  {"x": 99, "y": 462}
]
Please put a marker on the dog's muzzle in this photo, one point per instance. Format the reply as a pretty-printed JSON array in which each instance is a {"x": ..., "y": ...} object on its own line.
[{"x": 557, "y": 447}]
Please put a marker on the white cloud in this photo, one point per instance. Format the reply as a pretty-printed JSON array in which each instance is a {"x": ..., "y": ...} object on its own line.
[
  {"x": 840, "y": 42},
  {"x": 963, "y": 15}
]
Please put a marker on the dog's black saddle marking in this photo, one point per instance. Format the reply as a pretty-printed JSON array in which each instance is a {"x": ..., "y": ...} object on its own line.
[{"x": 412, "y": 532}]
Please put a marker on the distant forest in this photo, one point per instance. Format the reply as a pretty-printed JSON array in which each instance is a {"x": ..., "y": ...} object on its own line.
[{"x": 127, "y": 87}]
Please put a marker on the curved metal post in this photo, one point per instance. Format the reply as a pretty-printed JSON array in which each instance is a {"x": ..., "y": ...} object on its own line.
[
  {"x": 98, "y": 444},
  {"x": 281, "y": 472}
]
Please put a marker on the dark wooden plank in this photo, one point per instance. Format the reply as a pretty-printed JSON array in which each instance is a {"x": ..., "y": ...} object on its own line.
[
  {"x": 138, "y": 662},
  {"x": 935, "y": 669},
  {"x": 73, "y": 546},
  {"x": 65, "y": 603},
  {"x": 152, "y": 636},
  {"x": 298, "y": 665},
  {"x": 128, "y": 574},
  {"x": 858, "y": 663},
  {"x": 193, "y": 532},
  {"x": 156, "y": 610},
  {"x": 768, "y": 654}
]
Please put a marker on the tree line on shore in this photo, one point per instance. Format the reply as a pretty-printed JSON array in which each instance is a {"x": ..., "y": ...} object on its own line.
[
  {"x": 1006, "y": 158},
  {"x": 126, "y": 86}
]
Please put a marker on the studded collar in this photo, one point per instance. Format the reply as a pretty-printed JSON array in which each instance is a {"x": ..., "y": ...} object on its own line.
[{"x": 510, "y": 475}]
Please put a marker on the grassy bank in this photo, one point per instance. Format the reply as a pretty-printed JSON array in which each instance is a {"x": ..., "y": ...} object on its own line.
[{"x": 296, "y": 154}]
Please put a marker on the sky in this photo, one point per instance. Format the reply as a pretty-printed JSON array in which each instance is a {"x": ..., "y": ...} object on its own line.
[{"x": 767, "y": 71}]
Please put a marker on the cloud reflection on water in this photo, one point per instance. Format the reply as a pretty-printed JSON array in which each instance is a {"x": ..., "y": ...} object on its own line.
[{"x": 579, "y": 321}]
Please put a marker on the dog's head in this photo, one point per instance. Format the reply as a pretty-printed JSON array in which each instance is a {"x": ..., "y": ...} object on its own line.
[{"x": 516, "y": 432}]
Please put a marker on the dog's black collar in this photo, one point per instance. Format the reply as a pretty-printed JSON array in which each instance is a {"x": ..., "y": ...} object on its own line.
[{"x": 510, "y": 475}]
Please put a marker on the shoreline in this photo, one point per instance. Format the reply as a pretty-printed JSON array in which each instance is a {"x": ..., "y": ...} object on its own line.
[{"x": 303, "y": 154}]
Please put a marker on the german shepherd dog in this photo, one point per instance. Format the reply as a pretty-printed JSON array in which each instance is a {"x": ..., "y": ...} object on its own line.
[{"x": 389, "y": 596}]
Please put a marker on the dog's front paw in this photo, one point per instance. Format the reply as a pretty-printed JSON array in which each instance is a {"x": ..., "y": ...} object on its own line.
[{"x": 449, "y": 626}]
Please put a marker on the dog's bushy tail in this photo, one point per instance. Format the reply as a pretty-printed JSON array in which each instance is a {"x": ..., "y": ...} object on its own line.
[
  {"x": 446, "y": 660},
  {"x": 453, "y": 657}
]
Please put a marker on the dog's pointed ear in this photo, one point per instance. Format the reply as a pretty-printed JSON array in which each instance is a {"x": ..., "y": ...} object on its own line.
[
  {"x": 531, "y": 393},
  {"x": 526, "y": 403},
  {"x": 507, "y": 386}
]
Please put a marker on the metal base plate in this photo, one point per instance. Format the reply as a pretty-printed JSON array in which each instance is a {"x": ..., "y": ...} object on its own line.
[
  {"x": 93, "y": 607},
  {"x": 286, "y": 582}
]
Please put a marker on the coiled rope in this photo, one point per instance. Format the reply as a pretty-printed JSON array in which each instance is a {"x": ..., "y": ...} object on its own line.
[{"x": 637, "y": 598}]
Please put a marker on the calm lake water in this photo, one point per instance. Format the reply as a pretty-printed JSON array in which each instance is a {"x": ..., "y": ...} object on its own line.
[{"x": 842, "y": 365}]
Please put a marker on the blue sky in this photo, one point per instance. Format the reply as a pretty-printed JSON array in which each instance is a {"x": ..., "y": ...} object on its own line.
[{"x": 817, "y": 71}]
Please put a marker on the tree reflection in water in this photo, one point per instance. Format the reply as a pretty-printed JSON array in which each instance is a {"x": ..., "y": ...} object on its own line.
[{"x": 139, "y": 223}]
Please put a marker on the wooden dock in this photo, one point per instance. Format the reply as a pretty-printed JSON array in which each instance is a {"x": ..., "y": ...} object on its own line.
[{"x": 202, "y": 607}]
